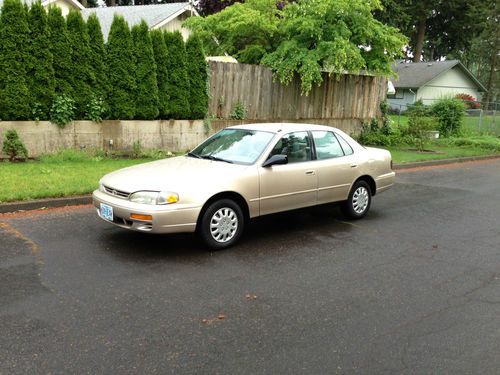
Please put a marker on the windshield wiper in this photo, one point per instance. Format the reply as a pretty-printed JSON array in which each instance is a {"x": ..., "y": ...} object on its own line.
[
  {"x": 215, "y": 158},
  {"x": 194, "y": 155}
]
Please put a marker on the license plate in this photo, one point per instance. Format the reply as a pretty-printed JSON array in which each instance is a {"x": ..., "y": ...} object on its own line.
[{"x": 106, "y": 212}]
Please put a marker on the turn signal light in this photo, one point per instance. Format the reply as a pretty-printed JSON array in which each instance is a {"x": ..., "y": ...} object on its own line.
[{"x": 141, "y": 217}]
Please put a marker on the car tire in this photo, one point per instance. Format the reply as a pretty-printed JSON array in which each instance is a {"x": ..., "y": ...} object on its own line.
[
  {"x": 358, "y": 203},
  {"x": 222, "y": 224}
]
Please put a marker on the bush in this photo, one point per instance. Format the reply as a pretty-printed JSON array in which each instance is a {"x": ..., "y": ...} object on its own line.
[
  {"x": 161, "y": 58},
  {"x": 13, "y": 146},
  {"x": 449, "y": 114},
  {"x": 178, "y": 82},
  {"x": 198, "y": 78},
  {"x": 146, "y": 89},
  {"x": 83, "y": 74},
  {"x": 120, "y": 65},
  {"x": 418, "y": 126},
  {"x": 60, "y": 47},
  {"x": 239, "y": 112},
  {"x": 469, "y": 101},
  {"x": 14, "y": 93},
  {"x": 62, "y": 111},
  {"x": 40, "y": 70},
  {"x": 95, "y": 109},
  {"x": 97, "y": 56}
]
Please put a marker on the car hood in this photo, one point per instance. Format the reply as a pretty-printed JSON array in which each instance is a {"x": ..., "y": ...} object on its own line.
[{"x": 172, "y": 174}]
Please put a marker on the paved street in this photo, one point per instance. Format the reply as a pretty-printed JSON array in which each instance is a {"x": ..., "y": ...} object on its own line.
[{"x": 414, "y": 288}]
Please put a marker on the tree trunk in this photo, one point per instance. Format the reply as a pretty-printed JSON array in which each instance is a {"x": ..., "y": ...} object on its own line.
[
  {"x": 489, "y": 84},
  {"x": 420, "y": 40}
]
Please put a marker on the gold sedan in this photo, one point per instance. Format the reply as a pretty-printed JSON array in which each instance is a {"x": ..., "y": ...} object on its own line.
[{"x": 242, "y": 172}]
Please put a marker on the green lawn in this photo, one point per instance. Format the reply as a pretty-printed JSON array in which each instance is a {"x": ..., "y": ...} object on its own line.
[
  {"x": 403, "y": 155},
  {"x": 488, "y": 125},
  {"x": 73, "y": 173},
  {"x": 42, "y": 179}
]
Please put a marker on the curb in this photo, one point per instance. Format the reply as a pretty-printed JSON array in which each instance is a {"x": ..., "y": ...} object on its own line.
[
  {"x": 432, "y": 163},
  {"x": 87, "y": 199},
  {"x": 44, "y": 203}
]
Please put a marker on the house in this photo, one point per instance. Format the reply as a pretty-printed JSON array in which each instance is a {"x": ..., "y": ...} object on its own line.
[
  {"x": 65, "y": 5},
  {"x": 430, "y": 81},
  {"x": 168, "y": 17}
]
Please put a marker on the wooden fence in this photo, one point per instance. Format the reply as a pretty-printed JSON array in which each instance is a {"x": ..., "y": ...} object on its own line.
[{"x": 350, "y": 97}]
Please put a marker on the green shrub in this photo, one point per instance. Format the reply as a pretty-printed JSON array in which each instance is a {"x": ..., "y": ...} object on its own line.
[
  {"x": 120, "y": 65},
  {"x": 83, "y": 74},
  {"x": 161, "y": 59},
  {"x": 95, "y": 109},
  {"x": 178, "y": 82},
  {"x": 198, "y": 78},
  {"x": 146, "y": 89},
  {"x": 62, "y": 111},
  {"x": 65, "y": 155},
  {"x": 419, "y": 108},
  {"x": 98, "y": 57},
  {"x": 137, "y": 149},
  {"x": 14, "y": 93},
  {"x": 449, "y": 113},
  {"x": 40, "y": 70},
  {"x": 239, "y": 111},
  {"x": 13, "y": 146},
  {"x": 418, "y": 127},
  {"x": 60, "y": 47}
]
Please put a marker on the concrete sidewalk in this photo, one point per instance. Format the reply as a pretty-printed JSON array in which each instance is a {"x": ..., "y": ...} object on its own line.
[{"x": 87, "y": 199}]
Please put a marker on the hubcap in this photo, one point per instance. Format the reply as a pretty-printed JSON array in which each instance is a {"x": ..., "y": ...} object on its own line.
[
  {"x": 360, "y": 200},
  {"x": 223, "y": 224}
]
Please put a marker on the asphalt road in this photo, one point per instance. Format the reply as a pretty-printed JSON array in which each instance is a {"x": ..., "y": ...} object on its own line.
[{"x": 414, "y": 288}]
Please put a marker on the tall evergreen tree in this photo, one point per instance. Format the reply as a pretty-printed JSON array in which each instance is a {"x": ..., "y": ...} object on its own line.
[
  {"x": 198, "y": 76},
  {"x": 83, "y": 74},
  {"x": 178, "y": 83},
  {"x": 14, "y": 94},
  {"x": 97, "y": 56},
  {"x": 40, "y": 70},
  {"x": 146, "y": 90},
  {"x": 120, "y": 64},
  {"x": 60, "y": 47},
  {"x": 161, "y": 58}
]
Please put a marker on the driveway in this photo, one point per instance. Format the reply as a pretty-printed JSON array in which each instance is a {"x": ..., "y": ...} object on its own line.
[{"x": 414, "y": 288}]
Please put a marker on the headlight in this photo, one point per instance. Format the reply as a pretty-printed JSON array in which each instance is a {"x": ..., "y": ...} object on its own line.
[{"x": 154, "y": 197}]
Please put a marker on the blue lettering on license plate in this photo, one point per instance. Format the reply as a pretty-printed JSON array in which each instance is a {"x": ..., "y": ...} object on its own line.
[{"x": 106, "y": 212}]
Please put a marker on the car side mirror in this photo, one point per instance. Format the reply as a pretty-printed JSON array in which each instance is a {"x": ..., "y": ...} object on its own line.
[{"x": 275, "y": 160}]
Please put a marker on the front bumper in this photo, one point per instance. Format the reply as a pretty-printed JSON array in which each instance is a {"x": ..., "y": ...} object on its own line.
[{"x": 174, "y": 218}]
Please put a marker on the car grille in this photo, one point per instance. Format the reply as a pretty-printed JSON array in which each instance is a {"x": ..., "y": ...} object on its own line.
[{"x": 116, "y": 193}]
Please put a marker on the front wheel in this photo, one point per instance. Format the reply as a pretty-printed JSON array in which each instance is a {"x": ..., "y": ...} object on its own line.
[
  {"x": 359, "y": 201},
  {"x": 222, "y": 224}
]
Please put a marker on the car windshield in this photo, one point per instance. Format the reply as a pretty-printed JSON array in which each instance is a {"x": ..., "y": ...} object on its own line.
[{"x": 238, "y": 146}]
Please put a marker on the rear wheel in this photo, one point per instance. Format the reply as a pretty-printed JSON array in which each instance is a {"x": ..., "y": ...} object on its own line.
[
  {"x": 359, "y": 201},
  {"x": 222, "y": 224}
]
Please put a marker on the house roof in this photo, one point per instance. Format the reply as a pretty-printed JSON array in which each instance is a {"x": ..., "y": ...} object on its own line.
[
  {"x": 48, "y": 2},
  {"x": 153, "y": 14},
  {"x": 415, "y": 75}
]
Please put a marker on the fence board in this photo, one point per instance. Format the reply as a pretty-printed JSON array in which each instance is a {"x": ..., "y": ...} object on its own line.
[{"x": 338, "y": 97}]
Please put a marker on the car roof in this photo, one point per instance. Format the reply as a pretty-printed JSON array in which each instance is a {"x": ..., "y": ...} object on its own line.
[{"x": 277, "y": 127}]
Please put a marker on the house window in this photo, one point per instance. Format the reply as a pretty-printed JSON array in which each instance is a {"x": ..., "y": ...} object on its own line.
[{"x": 399, "y": 94}]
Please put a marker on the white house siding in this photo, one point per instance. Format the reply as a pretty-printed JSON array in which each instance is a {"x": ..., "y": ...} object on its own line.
[
  {"x": 402, "y": 99},
  {"x": 448, "y": 84},
  {"x": 63, "y": 4},
  {"x": 176, "y": 25}
]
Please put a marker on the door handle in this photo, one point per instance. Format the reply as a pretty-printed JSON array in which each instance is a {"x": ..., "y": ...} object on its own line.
[
  {"x": 309, "y": 172},
  {"x": 354, "y": 165}
]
